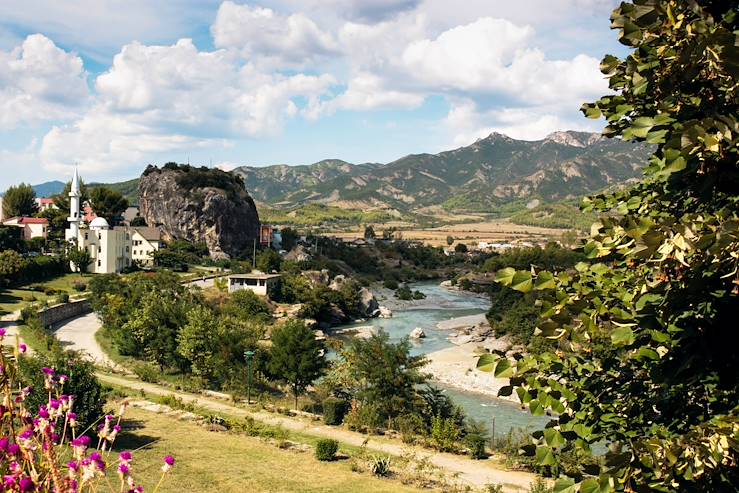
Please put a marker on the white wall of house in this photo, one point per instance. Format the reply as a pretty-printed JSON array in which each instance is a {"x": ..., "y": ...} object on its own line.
[{"x": 143, "y": 249}]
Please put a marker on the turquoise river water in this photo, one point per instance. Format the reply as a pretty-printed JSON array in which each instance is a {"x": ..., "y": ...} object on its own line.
[{"x": 442, "y": 304}]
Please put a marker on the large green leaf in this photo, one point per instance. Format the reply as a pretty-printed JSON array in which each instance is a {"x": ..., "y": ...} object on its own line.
[
  {"x": 544, "y": 456},
  {"x": 522, "y": 281},
  {"x": 622, "y": 336},
  {"x": 486, "y": 362}
]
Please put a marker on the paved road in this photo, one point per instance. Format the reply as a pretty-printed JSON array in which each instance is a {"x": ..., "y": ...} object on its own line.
[{"x": 79, "y": 334}]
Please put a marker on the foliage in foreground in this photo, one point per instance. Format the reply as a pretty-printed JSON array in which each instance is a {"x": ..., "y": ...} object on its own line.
[
  {"x": 648, "y": 340},
  {"x": 35, "y": 440}
]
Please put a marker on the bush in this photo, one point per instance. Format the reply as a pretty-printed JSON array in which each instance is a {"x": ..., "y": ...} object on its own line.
[
  {"x": 390, "y": 284},
  {"x": 326, "y": 449},
  {"x": 146, "y": 372},
  {"x": 444, "y": 434},
  {"x": 410, "y": 426},
  {"x": 88, "y": 402},
  {"x": 334, "y": 411},
  {"x": 476, "y": 444},
  {"x": 380, "y": 466},
  {"x": 79, "y": 286},
  {"x": 62, "y": 298}
]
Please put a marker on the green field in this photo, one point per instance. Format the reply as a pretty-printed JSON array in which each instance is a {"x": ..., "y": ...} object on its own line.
[
  {"x": 225, "y": 462},
  {"x": 13, "y": 299}
]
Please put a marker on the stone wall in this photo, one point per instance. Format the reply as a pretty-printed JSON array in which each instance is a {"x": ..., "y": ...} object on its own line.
[{"x": 59, "y": 313}]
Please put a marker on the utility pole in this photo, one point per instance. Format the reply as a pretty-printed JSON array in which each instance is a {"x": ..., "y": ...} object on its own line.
[
  {"x": 254, "y": 255},
  {"x": 248, "y": 356}
]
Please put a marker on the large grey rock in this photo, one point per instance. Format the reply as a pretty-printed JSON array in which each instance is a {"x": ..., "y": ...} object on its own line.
[
  {"x": 417, "y": 333},
  {"x": 316, "y": 277},
  {"x": 198, "y": 205},
  {"x": 368, "y": 303}
]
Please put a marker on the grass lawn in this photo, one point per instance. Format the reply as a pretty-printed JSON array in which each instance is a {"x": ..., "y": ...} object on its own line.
[
  {"x": 17, "y": 298},
  {"x": 224, "y": 462}
]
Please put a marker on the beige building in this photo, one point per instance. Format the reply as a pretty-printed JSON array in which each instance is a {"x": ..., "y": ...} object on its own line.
[
  {"x": 33, "y": 227},
  {"x": 256, "y": 281},
  {"x": 111, "y": 249},
  {"x": 144, "y": 242}
]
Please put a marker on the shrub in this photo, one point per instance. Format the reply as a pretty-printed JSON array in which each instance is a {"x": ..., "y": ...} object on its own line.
[
  {"x": 444, "y": 433},
  {"x": 540, "y": 486},
  {"x": 326, "y": 449},
  {"x": 62, "y": 297},
  {"x": 146, "y": 372},
  {"x": 380, "y": 466},
  {"x": 79, "y": 286},
  {"x": 390, "y": 284},
  {"x": 50, "y": 291},
  {"x": 410, "y": 426},
  {"x": 28, "y": 312},
  {"x": 334, "y": 411},
  {"x": 476, "y": 444}
]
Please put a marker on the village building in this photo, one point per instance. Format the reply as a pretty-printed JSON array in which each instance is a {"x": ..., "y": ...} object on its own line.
[
  {"x": 144, "y": 242},
  {"x": 33, "y": 227},
  {"x": 111, "y": 249},
  {"x": 256, "y": 281},
  {"x": 45, "y": 204}
]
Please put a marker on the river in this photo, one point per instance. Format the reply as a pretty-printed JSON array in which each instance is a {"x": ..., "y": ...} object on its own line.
[{"x": 442, "y": 304}]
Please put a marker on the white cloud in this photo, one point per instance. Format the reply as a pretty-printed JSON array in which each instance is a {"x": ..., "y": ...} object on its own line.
[
  {"x": 263, "y": 35},
  {"x": 467, "y": 123},
  {"x": 157, "y": 99},
  {"x": 39, "y": 82}
]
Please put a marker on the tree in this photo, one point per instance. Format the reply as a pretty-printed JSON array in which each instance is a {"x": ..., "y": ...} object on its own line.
[
  {"x": 450, "y": 240},
  {"x": 646, "y": 335},
  {"x": 10, "y": 238},
  {"x": 289, "y": 238},
  {"x": 11, "y": 263},
  {"x": 369, "y": 232},
  {"x": 246, "y": 304},
  {"x": 197, "y": 340},
  {"x": 138, "y": 222},
  {"x": 387, "y": 375},
  {"x": 80, "y": 258},
  {"x": 108, "y": 203},
  {"x": 20, "y": 201},
  {"x": 460, "y": 248},
  {"x": 296, "y": 357},
  {"x": 269, "y": 260}
]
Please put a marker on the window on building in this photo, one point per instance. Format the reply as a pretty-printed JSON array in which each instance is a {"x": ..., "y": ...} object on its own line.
[
  {"x": 100, "y": 262},
  {"x": 126, "y": 248},
  {"x": 100, "y": 248},
  {"x": 87, "y": 235}
]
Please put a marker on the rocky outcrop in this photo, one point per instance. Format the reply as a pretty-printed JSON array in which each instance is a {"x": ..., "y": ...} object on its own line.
[
  {"x": 368, "y": 303},
  {"x": 417, "y": 333},
  {"x": 200, "y": 205}
]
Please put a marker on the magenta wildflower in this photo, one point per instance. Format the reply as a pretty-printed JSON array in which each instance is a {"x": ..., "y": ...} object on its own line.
[
  {"x": 48, "y": 371},
  {"x": 26, "y": 484},
  {"x": 123, "y": 469},
  {"x": 126, "y": 456},
  {"x": 168, "y": 463},
  {"x": 2, "y": 333},
  {"x": 23, "y": 348},
  {"x": 14, "y": 449}
]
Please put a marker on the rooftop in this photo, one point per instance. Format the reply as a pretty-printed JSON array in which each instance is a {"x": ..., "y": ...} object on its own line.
[
  {"x": 254, "y": 275},
  {"x": 26, "y": 220}
]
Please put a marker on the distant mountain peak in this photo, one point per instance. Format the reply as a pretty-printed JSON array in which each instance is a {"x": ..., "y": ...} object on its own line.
[{"x": 574, "y": 138}]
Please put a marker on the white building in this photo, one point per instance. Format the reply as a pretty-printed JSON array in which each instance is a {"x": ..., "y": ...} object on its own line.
[
  {"x": 111, "y": 250},
  {"x": 258, "y": 282},
  {"x": 144, "y": 242},
  {"x": 33, "y": 227}
]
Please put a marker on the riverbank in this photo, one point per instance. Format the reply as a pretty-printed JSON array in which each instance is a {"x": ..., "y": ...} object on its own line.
[{"x": 455, "y": 367}]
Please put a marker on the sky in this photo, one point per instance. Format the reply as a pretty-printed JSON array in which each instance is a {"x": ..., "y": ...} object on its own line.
[{"x": 114, "y": 85}]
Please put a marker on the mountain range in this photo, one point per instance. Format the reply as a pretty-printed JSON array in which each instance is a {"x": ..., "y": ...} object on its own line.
[{"x": 493, "y": 171}]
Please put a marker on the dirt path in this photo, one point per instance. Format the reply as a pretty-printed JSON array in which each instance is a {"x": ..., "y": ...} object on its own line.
[{"x": 475, "y": 473}]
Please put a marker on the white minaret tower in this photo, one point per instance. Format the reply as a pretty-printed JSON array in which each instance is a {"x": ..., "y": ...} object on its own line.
[{"x": 74, "y": 207}]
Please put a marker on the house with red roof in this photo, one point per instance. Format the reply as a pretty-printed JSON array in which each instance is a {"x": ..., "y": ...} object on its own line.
[{"x": 33, "y": 227}]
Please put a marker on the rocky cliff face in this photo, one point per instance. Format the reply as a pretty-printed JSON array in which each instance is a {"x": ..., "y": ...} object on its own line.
[{"x": 200, "y": 205}]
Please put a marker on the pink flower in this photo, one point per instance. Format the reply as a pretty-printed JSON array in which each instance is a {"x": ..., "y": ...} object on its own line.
[
  {"x": 2, "y": 333},
  {"x": 23, "y": 348},
  {"x": 168, "y": 464}
]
